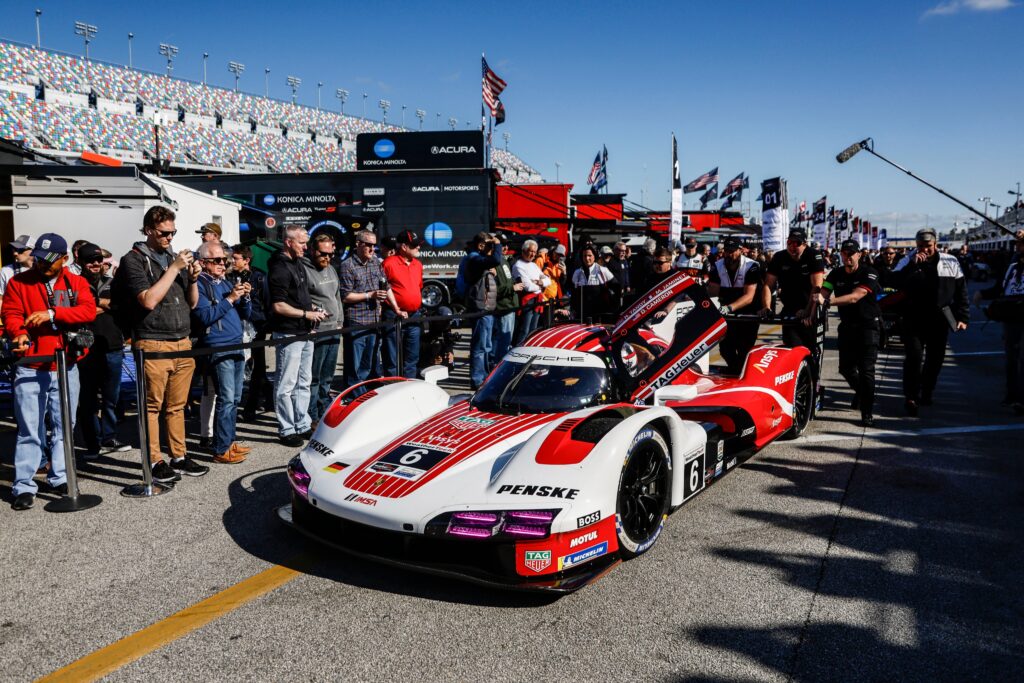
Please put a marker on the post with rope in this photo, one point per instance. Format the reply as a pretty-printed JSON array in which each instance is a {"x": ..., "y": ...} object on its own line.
[
  {"x": 148, "y": 488},
  {"x": 74, "y": 500}
]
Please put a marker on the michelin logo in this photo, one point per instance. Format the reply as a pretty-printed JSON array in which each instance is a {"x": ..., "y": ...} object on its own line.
[{"x": 583, "y": 556}]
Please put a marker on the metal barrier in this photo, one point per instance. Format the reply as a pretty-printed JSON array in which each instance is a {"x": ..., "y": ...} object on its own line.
[
  {"x": 148, "y": 488},
  {"x": 74, "y": 500}
]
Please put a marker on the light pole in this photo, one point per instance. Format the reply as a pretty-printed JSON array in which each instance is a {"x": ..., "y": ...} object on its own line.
[
  {"x": 87, "y": 31},
  {"x": 237, "y": 69},
  {"x": 39, "y": 35},
  {"x": 364, "y": 104},
  {"x": 130, "y": 36},
  {"x": 507, "y": 137},
  {"x": 169, "y": 51},
  {"x": 294, "y": 82},
  {"x": 403, "y": 116},
  {"x": 420, "y": 114},
  {"x": 452, "y": 122},
  {"x": 384, "y": 105},
  {"x": 319, "y": 84},
  {"x": 266, "y": 82},
  {"x": 438, "y": 120},
  {"x": 986, "y": 200},
  {"x": 205, "y": 57},
  {"x": 342, "y": 95},
  {"x": 558, "y": 168}
]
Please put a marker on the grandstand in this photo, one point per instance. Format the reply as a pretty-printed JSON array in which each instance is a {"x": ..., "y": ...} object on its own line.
[{"x": 65, "y": 105}]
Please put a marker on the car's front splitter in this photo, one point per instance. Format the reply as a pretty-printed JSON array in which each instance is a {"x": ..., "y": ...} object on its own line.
[{"x": 485, "y": 564}]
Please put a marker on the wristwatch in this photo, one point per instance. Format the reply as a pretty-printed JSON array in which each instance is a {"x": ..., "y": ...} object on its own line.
[{"x": 50, "y": 311}]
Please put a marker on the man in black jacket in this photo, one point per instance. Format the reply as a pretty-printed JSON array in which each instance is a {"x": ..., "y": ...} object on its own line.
[{"x": 935, "y": 303}]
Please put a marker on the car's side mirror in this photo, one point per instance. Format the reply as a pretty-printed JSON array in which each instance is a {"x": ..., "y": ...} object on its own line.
[
  {"x": 434, "y": 374},
  {"x": 677, "y": 392}
]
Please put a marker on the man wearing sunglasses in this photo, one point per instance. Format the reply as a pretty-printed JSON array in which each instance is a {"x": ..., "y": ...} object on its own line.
[
  {"x": 363, "y": 289},
  {"x": 324, "y": 290},
  {"x": 221, "y": 308},
  {"x": 161, "y": 293}
]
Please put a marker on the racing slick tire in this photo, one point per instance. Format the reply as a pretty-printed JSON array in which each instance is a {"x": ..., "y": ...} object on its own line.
[
  {"x": 644, "y": 493},
  {"x": 803, "y": 402}
]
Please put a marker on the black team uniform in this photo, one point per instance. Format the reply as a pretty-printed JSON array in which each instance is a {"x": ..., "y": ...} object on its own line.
[
  {"x": 739, "y": 337},
  {"x": 794, "y": 281},
  {"x": 858, "y": 334}
]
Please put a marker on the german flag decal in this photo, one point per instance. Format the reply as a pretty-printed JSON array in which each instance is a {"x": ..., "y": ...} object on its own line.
[{"x": 335, "y": 467}]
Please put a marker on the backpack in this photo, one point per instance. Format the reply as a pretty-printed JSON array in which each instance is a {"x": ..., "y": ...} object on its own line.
[{"x": 483, "y": 294}]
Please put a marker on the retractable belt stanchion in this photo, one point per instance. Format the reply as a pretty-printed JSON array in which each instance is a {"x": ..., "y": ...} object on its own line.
[
  {"x": 148, "y": 488},
  {"x": 399, "y": 365},
  {"x": 74, "y": 500}
]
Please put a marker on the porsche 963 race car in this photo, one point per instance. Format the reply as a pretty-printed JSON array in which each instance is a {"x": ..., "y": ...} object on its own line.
[{"x": 567, "y": 460}]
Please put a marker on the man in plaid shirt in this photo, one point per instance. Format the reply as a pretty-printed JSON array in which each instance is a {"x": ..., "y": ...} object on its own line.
[{"x": 363, "y": 289}]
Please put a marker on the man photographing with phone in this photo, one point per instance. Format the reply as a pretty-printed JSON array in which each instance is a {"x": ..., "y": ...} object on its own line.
[
  {"x": 325, "y": 292},
  {"x": 42, "y": 307}
]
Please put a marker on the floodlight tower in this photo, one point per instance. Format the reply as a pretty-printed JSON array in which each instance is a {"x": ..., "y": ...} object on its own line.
[
  {"x": 169, "y": 51},
  {"x": 384, "y": 105},
  {"x": 236, "y": 68},
  {"x": 342, "y": 95},
  {"x": 453, "y": 122},
  {"x": 266, "y": 82},
  {"x": 130, "y": 36},
  {"x": 206, "y": 55},
  {"x": 294, "y": 82},
  {"x": 319, "y": 84},
  {"x": 507, "y": 136},
  {"x": 87, "y": 31},
  {"x": 39, "y": 35},
  {"x": 403, "y": 116},
  {"x": 420, "y": 114}
]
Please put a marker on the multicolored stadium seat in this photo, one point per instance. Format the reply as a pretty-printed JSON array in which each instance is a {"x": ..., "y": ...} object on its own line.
[{"x": 41, "y": 122}]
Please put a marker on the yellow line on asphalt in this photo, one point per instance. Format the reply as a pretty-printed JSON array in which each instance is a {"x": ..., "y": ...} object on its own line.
[{"x": 135, "y": 646}]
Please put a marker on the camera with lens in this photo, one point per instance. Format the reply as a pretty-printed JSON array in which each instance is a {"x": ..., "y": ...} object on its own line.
[{"x": 78, "y": 341}]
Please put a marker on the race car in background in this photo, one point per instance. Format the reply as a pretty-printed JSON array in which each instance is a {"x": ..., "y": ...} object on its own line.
[{"x": 567, "y": 460}]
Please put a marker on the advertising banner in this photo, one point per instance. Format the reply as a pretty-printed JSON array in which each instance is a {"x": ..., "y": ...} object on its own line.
[
  {"x": 420, "y": 151},
  {"x": 774, "y": 214},
  {"x": 820, "y": 235}
]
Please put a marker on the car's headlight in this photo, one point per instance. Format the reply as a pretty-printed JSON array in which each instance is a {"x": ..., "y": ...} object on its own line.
[
  {"x": 298, "y": 477},
  {"x": 493, "y": 524}
]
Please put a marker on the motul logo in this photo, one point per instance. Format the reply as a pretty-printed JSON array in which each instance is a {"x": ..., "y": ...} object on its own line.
[
  {"x": 452, "y": 149},
  {"x": 585, "y": 538}
]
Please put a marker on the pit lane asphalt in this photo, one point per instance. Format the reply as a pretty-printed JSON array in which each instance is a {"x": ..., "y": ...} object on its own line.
[{"x": 853, "y": 557}]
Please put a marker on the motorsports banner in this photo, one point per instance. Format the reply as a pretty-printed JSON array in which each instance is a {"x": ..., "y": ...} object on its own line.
[
  {"x": 419, "y": 151},
  {"x": 774, "y": 213}
]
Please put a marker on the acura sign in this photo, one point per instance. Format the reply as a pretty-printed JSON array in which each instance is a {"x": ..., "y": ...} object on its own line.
[{"x": 419, "y": 151}]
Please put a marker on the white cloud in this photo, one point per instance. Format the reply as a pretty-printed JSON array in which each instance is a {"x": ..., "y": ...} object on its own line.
[{"x": 956, "y": 6}]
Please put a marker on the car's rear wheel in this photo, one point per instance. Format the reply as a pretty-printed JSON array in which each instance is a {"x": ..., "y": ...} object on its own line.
[
  {"x": 644, "y": 493},
  {"x": 803, "y": 402}
]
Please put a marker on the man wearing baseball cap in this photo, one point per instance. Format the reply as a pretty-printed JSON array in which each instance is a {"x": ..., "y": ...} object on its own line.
[
  {"x": 799, "y": 272},
  {"x": 854, "y": 290},
  {"x": 935, "y": 304},
  {"x": 22, "y": 250},
  {"x": 734, "y": 279},
  {"x": 210, "y": 232},
  {"x": 42, "y": 305},
  {"x": 404, "y": 272}
]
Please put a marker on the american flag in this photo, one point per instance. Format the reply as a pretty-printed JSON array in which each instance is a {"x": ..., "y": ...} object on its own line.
[
  {"x": 738, "y": 183},
  {"x": 703, "y": 181},
  {"x": 599, "y": 172},
  {"x": 712, "y": 193},
  {"x": 802, "y": 208},
  {"x": 492, "y": 85},
  {"x": 594, "y": 170}
]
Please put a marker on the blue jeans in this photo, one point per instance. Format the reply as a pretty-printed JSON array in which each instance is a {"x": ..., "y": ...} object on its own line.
[
  {"x": 101, "y": 372},
  {"x": 325, "y": 360},
  {"x": 504, "y": 326},
  {"x": 410, "y": 346},
  {"x": 360, "y": 358},
  {"x": 291, "y": 392},
  {"x": 527, "y": 324},
  {"x": 36, "y": 394},
  {"x": 480, "y": 349},
  {"x": 228, "y": 372}
]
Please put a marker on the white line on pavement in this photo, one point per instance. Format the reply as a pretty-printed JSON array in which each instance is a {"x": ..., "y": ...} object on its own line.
[{"x": 883, "y": 433}]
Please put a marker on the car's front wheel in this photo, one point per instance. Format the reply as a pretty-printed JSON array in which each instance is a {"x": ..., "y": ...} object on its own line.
[
  {"x": 644, "y": 493},
  {"x": 803, "y": 402}
]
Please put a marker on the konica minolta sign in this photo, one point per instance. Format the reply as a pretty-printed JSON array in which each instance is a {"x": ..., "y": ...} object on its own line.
[{"x": 419, "y": 151}]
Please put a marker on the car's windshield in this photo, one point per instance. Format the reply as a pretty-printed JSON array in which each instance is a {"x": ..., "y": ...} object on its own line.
[{"x": 544, "y": 387}]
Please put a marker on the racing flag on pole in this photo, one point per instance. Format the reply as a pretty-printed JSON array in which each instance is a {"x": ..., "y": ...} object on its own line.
[
  {"x": 710, "y": 194},
  {"x": 819, "y": 233},
  {"x": 675, "y": 230},
  {"x": 702, "y": 182},
  {"x": 737, "y": 184},
  {"x": 883, "y": 238},
  {"x": 774, "y": 213},
  {"x": 492, "y": 88},
  {"x": 598, "y": 177},
  {"x": 830, "y": 233}
]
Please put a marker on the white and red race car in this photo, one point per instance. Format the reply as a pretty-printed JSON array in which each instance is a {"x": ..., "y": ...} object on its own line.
[{"x": 568, "y": 459}]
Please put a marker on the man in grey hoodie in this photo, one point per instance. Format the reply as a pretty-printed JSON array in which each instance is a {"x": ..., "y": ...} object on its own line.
[{"x": 325, "y": 292}]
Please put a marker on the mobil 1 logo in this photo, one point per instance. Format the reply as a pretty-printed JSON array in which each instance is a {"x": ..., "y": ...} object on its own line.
[{"x": 693, "y": 474}]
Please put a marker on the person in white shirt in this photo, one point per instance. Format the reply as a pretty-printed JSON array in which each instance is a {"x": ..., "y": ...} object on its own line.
[
  {"x": 526, "y": 271},
  {"x": 591, "y": 296},
  {"x": 691, "y": 260}
]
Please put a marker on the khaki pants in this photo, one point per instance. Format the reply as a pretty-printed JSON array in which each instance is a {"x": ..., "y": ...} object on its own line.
[{"x": 167, "y": 385}]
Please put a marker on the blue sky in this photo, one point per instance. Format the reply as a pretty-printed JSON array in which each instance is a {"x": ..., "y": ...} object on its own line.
[{"x": 769, "y": 88}]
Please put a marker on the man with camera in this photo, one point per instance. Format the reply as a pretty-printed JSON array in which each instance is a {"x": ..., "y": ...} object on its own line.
[
  {"x": 42, "y": 311},
  {"x": 478, "y": 286},
  {"x": 221, "y": 307}
]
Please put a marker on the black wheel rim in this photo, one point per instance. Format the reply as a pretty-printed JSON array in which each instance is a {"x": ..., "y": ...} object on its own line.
[
  {"x": 802, "y": 401},
  {"x": 643, "y": 492}
]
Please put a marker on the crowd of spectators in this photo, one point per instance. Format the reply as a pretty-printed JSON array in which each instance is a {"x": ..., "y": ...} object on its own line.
[{"x": 159, "y": 301}]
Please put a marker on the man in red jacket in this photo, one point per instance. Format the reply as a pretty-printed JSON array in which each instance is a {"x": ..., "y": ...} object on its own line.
[{"x": 40, "y": 307}]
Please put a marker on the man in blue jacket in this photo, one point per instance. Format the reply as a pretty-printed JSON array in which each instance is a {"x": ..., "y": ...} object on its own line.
[{"x": 220, "y": 310}]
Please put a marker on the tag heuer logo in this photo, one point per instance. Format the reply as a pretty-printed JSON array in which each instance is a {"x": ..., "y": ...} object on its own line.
[{"x": 538, "y": 560}]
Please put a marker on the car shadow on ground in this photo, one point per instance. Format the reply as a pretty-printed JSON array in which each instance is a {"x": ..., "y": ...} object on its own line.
[
  {"x": 251, "y": 521},
  {"x": 927, "y": 548}
]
